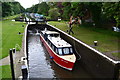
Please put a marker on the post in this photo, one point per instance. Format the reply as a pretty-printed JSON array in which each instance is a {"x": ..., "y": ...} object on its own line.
[
  {"x": 95, "y": 43},
  {"x": 12, "y": 64},
  {"x": 24, "y": 72},
  {"x": 14, "y": 50}
]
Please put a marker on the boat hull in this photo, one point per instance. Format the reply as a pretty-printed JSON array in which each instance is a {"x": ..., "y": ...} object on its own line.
[{"x": 56, "y": 58}]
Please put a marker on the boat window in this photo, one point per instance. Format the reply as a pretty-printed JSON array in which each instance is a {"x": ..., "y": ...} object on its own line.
[
  {"x": 45, "y": 36},
  {"x": 52, "y": 47},
  {"x": 60, "y": 51},
  {"x": 66, "y": 50},
  {"x": 56, "y": 50},
  {"x": 56, "y": 35},
  {"x": 51, "y": 35},
  {"x": 71, "y": 50},
  {"x": 50, "y": 43}
]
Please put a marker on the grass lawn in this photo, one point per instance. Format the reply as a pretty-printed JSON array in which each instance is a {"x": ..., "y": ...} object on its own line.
[
  {"x": 107, "y": 40},
  {"x": 6, "y": 72},
  {"x": 10, "y": 36},
  {"x": 11, "y": 17}
]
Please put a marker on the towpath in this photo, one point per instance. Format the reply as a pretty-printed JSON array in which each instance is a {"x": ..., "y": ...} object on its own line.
[{"x": 5, "y": 61}]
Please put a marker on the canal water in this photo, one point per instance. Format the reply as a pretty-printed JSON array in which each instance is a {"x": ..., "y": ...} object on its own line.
[{"x": 41, "y": 66}]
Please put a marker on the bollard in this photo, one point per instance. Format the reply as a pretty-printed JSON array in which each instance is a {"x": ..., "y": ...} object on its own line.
[
  {"x": 12, "y": 64},
  {"x": 24, "y": 72},
  {"x": 95, "y": 43},
  {"x": 19, "y": 32},
  {"x": 22, "y": 25},
  {"x": 14, "y": 50}
]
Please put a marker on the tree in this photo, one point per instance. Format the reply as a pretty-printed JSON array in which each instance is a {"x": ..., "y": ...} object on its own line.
[
  {"x": 54, "y": 13},
  {"x": 43, "y": 8},
  {"x": 74, "y": 8},
  {"x": 66, "y": 10},
  {"x": 96, "y": 9},
  {"x": 35, "y": 8},
  {"x": 17, "y": 8},
  {"x": 11, "y": 8},
  {"x": 6, "y": 9},
  {"x": 112, "y": 11}
]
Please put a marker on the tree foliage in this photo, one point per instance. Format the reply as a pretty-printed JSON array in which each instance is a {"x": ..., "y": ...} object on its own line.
[
  {"x": 98, "y": 10},
  {"x": 95, "y": 9},
  {"x": 11, "y": 8},
  {"x": 53, "y": 13},
  {"x": 33, "y": 9},
  {"x": 43, "y": 8},
  {"x": 6, "y": 9},
  {"x": 112, "y": 11}
]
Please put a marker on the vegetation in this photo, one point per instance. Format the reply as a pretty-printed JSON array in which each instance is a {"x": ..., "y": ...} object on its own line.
[
  {"x": 100, "y": 12},
  {"x": 11, "y": 8},
  {"x": 112, "y": 11},
  {"x": 10, "y": 36},
  {"x": 41, "y": 8},
  {"x": 6, "y": 72},
  {"x": 107, "y": 40},
  {"x": 53, "y": 13},
  {"x": 116, "y": 54}
]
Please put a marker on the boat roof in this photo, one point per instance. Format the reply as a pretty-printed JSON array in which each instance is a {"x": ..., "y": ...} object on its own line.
[
  {"x": 50, "y": 32},
  {"x": 58, "y": 42}
]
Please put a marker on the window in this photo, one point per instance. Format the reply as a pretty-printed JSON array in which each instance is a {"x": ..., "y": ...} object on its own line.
[
  {"x": 50, "y": 43},
  {"x": 52, "y": 47},
  {"x": 51, "y": 35},
  {"x": 66, "y": 50},
  {"x": 71, "y": 50},
  {"x": 60, "y": 51},
  {"x": 56, "y": 50},
  {"x": 56, "y": 35}
]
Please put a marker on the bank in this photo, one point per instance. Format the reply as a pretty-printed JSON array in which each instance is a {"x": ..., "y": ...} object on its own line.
[{"x": 108, "y": 41}]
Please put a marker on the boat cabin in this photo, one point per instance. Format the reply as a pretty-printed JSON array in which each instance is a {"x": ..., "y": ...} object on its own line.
[{"x": 60, "y": 46}]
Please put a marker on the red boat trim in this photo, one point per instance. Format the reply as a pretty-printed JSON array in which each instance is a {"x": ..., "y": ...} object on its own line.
[{"x": 63, "y": 66}]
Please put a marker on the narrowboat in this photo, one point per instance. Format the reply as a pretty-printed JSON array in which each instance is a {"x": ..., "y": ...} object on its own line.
[{"x": 59, "y": 50}]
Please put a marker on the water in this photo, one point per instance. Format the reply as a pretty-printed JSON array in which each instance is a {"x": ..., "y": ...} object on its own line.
[{"x": 41, "y": 66}]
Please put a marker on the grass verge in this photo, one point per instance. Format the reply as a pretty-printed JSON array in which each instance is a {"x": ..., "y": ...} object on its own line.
[
  {"x": 9, "y": 39},
  {"x": 10, "y": 36},
  {"x": 107, "y": 40},
  {"x": 6, "y": 72}
]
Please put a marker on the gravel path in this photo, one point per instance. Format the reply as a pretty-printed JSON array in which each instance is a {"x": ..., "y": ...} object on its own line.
[{"x": 5, "y": 61}]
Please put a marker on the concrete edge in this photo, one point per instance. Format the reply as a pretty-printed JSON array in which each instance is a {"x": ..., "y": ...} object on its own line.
[
  {"x": 25, "y": 47},
  {"x": 25, "y": 35}
]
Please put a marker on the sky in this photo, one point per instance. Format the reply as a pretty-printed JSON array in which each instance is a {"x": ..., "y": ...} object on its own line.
[{"x": 28, "y": 3}]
